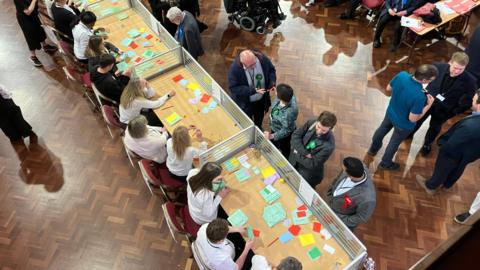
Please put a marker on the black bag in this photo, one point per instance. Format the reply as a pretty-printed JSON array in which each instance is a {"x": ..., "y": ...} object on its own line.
[{"x": 433, "y": 18}]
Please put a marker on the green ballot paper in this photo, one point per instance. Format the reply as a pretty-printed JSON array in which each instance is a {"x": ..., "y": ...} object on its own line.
[{"x": 250, "y": 232}]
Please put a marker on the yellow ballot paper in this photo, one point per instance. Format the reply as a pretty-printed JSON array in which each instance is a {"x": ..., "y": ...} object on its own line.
[
  {"x": 173, "y": 118},
  {"x": 267, "y": 172},
  {"x": 141, "y": 30},
  {"x": 193, "y": 86},
  {"x": 306, "y": 239}
]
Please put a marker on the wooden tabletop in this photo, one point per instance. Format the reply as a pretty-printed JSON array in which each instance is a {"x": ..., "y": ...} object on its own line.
[
  {"x": 246, "y": 196},
  {"x": 216, "y": 125},
  {"x": 118, "y": 31},
  {"x": 445, "y": 19}
]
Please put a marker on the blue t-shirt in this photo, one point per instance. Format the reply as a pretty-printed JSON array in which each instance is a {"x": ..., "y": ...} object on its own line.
[{"x": 407, "y": 97}]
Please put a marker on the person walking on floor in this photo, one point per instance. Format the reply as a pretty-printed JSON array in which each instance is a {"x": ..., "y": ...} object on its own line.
[
  {"x": 408, "y": 103},
  {"x": 188, "y": 33},
  {"x": 463, "y": 217},
  {"x": 458, "y": 148}
]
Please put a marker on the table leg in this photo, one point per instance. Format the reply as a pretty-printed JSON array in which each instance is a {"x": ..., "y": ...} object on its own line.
[{"x": 412, "y": 48}]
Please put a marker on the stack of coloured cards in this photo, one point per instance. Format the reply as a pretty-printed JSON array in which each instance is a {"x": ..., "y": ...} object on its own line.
[
  {"x": 306, "y": 239},
  {"x": 270, "y": 175},
  {"x": 238, "y": 218},
  {"x": 270, "y": 194},
  {"x": 274, "y": 214},
  {"x": 314, "y": 253},
  {"x": 173, "y": 119},
  {"x": 242, "y": 175},
  {"x": 231, "y": 164},
  {"x": 133, "y": 33},
  {"x": 300, "y": 217}
]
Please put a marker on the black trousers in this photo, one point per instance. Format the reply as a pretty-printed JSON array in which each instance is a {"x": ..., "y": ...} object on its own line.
[
  {"x": 284, "y": 145},
  {"x": 152, "y": 118},
  {"x": 12, "y": 122},
  {"x": 447, "y": 171},
  {"x": 436, "y": 122},
  {"x": 182, "y": 179},
  {"x": 384, "y": 19},
  {"x": 258, "y": 112}
]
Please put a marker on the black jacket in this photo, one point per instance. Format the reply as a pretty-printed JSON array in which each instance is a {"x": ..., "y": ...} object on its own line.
[
  {"x": 64, "y": 19},
  {"x": 460, "y": 142},
  {"x": 310, "y": 168},
  {"x": 108, "y": 84},
  {"x": 458, "y": 98},
  {"x": 473, "y": 51},
  {"x": 238, "y": 83},
  {"x": 410, "y": 6}
]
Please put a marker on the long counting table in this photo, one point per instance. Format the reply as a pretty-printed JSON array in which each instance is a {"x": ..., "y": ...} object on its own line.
[{"x": 230, "y": 133}]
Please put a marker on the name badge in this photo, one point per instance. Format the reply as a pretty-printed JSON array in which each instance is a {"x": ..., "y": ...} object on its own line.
[{"x": 440, "y": 97}]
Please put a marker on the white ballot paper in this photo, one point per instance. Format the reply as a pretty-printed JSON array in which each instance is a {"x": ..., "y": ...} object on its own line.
[{"x": 410, "y": 22}]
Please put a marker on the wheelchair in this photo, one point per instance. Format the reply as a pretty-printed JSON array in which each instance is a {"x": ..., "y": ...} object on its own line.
[{"x": 253, "y": 15}]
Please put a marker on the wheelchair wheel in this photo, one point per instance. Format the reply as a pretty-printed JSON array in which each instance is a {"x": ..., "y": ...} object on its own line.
[
  {"x": 247, "y": 23},
  {"x": 260, "y": 29}
]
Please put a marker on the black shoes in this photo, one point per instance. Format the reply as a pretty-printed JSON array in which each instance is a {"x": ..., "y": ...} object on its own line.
[
  {"x": 426, "y": 149},
  {"x": 282, "y": 16},
  {"x": 345, "y": 16},
  {"x": 50, "y": 49},
  {"x": 377, "y": 43},
  {"x": 35, "y": 61},
  {"x": 391, "y": 167},
  {"x": 462, "y": 218}
]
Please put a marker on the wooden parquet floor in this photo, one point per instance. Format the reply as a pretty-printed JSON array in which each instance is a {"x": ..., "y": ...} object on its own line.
[{"x": 74, "y": 202}]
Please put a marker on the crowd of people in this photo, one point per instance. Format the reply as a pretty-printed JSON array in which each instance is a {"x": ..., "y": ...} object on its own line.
[{"x": 438, "y": 90}]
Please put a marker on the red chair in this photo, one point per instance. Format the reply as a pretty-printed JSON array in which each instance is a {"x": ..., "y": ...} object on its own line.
[
  {"x": 111, "y": 119},
  {"x": 89, "y": 94},
  {"x": 170, "y": 185},
  {"x": 179, "y": 222},
  {"x": 149, "y": 176}
]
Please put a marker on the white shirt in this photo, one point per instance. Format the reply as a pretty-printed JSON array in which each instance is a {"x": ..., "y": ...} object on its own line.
[
  {"x": 260, "y": 263},
  {"x": 181, "y": 167},
  {"x": 151, "y": 147},
  {"x": 217, "y": 256},
  {"x": 203, "y": 206},
  {"x": 346, "y": 185},
  {"x": 127, "y": 114},
  {"x": 81, "y": 35}
]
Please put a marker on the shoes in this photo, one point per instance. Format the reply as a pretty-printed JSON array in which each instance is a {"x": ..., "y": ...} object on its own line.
[
  {"x": 462, "y": 218},
  {"x": 50, "y": 49},
  {"x": 426, "y": 149},
  {"x": 310, "y": 3},
  {"x": 371, "y": 153},
  {"x": 377, "y": 43},
  {"x": 35, "y": 61},
  {"x": 391, "y": 167},
  {"x": 446, "y": 189},
  {"x": 422, "y": 182},
  {"x": 345, "y": 16},
  {"x": 276, "y": 24},
  {"x": 330, "y": 4},
  {"x": 282, "y": 16},
  {"x": 33, "y": 137}
]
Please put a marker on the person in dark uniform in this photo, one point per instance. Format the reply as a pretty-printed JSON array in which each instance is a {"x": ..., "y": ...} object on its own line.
[
  {"x": 27, "y": 17},
  {"x": 159, "y": 11},
  {"x": 11, "y": 119}
]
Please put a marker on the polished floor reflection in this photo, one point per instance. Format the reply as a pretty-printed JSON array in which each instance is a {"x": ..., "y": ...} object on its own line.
[{"x": 74, "y": 201}]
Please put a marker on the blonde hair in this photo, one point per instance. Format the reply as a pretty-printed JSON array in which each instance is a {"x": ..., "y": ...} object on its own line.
[
  {"x": 460, "y": 58},
  {"x": 181, "y": 141},
  {"x": 96, "y": 47},
  {"x": 132, "y": 91}
]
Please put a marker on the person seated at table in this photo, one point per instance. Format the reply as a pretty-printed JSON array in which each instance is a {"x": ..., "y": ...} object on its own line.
[
  {"x": 312, "y": 145},
  {"x": 64, "y": 16},
  {"x": 102, "y": 32},
  {"x": 181, "y": 152},
  {"x": 96, "y": 48},
  {"x": 282, "y": 119},
  {"x": 352, "y": 194},
  {"x": 473, "y": 52},
  {"x": 206, "y": 189},
  {"x": 137, "y": 98},
  {"x": 109, "y": 83},
  {"x": 393, "y": 10},
  {"x": 218, "y": 251},
  {"x": 81, "y": 32},
  {"x": 146, "y": 141},
  {"x": 259, "y": 262}
]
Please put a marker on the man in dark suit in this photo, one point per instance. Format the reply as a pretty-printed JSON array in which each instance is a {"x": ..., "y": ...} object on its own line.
[
  {"x": 352, "y": 194},
  {"x": 250, "y": 79},
  {"x": 393, "y": 11},
  {"x": 188, "y": 34},
  {"x": 64, "y": 16},
  {"x": 453, "y": 90},
  {"x": 473, "y": 52},
  {"x": 312, "y": 145},
  {"x": 458, "y": 147}
]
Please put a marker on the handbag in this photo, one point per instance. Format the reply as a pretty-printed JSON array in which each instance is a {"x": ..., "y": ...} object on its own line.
[{"x": 429, "y": 13}]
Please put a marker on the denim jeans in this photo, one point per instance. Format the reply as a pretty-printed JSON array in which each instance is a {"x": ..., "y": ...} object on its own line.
[{"x": 398, "y": 136}]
